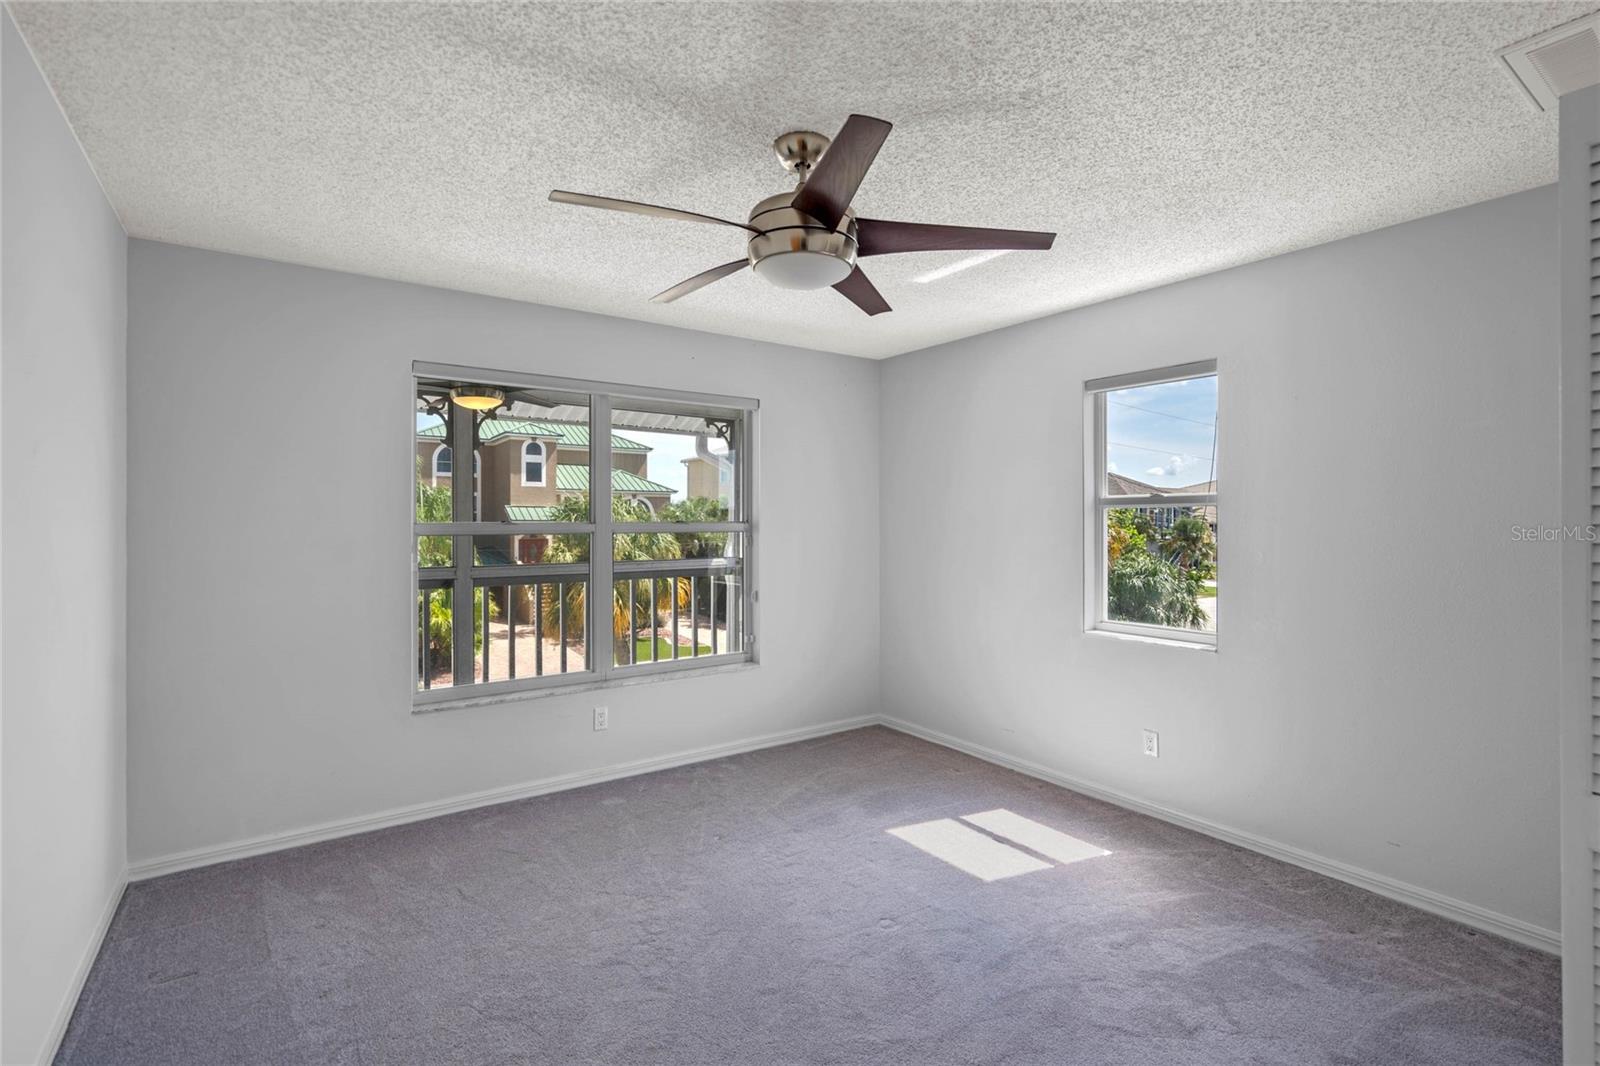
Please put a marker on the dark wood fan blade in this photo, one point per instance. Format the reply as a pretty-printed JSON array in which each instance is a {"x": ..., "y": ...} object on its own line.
[
  {"x": 862, "y": 293},
  {"x": 612, "y": 204},
  {"x": 832, "y": 184},
  {"x": 876, "y": 237},
  {"x": 699, "y": 281}
]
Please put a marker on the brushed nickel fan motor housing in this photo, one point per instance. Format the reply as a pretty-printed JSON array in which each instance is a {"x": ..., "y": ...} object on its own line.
[
  {"x": 799, "y": 150},
  {"x": 795, "y": 251}
]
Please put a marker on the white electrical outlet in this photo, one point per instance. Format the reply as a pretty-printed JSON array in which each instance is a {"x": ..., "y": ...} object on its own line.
[
  {"x": 1151, "y": 743},
  {"x": 602, "y": 718}
]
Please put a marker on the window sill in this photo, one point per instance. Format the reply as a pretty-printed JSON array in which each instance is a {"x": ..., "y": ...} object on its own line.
[
  {"x": 1143, "y": 638},
  {"x": 625, "y": 681}
]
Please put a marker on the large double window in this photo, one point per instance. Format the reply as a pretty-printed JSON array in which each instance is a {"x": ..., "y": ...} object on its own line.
[
  {"x": 1152, "y": 504},
  {"x": 607, "y": 535}
]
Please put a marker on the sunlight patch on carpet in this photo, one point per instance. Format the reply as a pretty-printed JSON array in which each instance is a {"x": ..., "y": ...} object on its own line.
[
  {"x": 1051, "y": 843},
  {"x": 968, "y": 850}
]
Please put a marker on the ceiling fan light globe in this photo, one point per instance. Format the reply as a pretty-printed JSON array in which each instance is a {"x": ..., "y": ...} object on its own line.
[
  {"x": 794, "y": 251},
  {"x": 803, "y": 270}
]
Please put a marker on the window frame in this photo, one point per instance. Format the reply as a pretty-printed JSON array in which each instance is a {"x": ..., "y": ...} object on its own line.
[
  {"x": 1097, "y": 502},
  {"x": 437, "y": 473},
  {"x": 544, "y": 465},
  {"x": 600, "y": 569}
]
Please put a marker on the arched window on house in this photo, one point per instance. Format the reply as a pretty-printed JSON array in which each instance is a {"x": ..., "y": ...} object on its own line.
[
  {"x": 444, "y": 466},
  {"x": 533, "y": 459}
]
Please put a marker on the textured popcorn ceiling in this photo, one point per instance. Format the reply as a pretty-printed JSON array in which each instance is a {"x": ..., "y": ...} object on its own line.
[{"x": 418, "y": 142}]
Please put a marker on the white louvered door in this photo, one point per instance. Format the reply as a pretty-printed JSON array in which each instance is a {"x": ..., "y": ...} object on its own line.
[
  {"x": 1591, "y": 353},
  {"x": 1579, "y": 225}
]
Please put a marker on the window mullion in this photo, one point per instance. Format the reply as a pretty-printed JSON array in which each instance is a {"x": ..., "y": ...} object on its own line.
[
  {"x": 601, "y": 595},
  {"x": 744, "y": 469},
  {"x": 1102, "y": 606},
  {"x": 462, "y": 429},
  {"x": 1095, "y": 534}
]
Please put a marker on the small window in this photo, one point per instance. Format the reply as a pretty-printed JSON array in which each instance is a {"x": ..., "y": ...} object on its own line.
[
  {"x": 441, "y": 461},
  {"x": 533, "y": 455},
  {"x": 1152, "y": 504}
]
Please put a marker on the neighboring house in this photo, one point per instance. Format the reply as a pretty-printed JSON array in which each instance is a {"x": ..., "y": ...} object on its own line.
[
  {"x": 524, "y": 468},
  {"x": 1163, "y": 517},
  {"x": 710, "y": 475}
]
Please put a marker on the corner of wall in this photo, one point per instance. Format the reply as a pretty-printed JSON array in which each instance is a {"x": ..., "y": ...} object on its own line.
[{"x": 64, "y": 287}]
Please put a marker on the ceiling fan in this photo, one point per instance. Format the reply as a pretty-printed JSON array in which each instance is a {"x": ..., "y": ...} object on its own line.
[{"x": 810, "y": 238}]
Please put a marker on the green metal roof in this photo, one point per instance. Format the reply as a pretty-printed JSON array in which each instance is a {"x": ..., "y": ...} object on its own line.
[
  {"x": 567, "y": 434},
  {"x": 492, "y": 555},
  {"x": 516, "y": 512},
  {"x": 570, "y": 478}
]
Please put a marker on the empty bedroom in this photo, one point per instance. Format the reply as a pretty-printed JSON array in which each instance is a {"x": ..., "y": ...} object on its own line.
[{"x": 784, "y": 534}]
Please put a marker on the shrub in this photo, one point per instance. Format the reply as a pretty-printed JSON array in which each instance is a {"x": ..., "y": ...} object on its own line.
[
  {"x": 441, "y": 625},
  {"x": 1143, "y": 587}
]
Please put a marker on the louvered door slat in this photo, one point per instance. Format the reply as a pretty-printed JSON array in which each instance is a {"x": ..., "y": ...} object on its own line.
[{"x": 1594, "y": 556}]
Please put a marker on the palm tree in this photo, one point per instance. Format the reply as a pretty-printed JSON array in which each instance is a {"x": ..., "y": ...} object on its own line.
[
  {"x": 648, "y": 598},
  {"x": 699, "y": 545},
  {"x": 1189, "y": 543},
  {"x": 698, "y": 509}
]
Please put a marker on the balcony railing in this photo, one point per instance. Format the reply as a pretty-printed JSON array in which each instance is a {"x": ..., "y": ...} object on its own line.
[
  {"x": 682, "y": 586},
  {"x": 537, "y": 624}
]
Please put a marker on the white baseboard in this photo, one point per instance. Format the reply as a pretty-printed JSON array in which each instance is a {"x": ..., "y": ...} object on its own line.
[
  {"x": 69, "y": 1000},
  {"x": 1469, "y": 914},
  {"x": 1424, "y": 899},
  {"x": 188, "y": 860}
]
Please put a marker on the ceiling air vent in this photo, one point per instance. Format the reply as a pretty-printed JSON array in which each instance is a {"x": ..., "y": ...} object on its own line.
[{"x": 1557, "y": 61}]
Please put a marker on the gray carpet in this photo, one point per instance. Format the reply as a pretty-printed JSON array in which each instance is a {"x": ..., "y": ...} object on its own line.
[{"x": 756, "y": 910}]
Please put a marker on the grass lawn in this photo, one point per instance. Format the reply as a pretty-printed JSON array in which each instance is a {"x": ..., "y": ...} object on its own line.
[
  {"x": 1204, "y": 590},
  {"x": 641, "y": 650}
]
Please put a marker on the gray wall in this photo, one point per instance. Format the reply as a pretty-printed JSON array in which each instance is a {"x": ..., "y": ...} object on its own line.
[
  {"x": 63, "y": 292},
  {"x": 1383, "y": 691},
  {"x": 270, "y": 603}
]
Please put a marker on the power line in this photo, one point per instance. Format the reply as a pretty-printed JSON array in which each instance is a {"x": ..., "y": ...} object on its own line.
[
  {"x": 1213, "y": 476},
  {"x": 1164, "y": 414},
  {"x": 1161, "y": 451}
]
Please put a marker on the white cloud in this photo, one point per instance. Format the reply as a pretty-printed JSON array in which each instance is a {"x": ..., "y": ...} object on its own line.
[{"x": 1174, "y": 466}]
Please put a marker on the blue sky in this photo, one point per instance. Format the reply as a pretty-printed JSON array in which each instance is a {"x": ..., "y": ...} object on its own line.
[
  {"x": 1163, "y": 434},
  {"x": 667, "y": 453}
]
